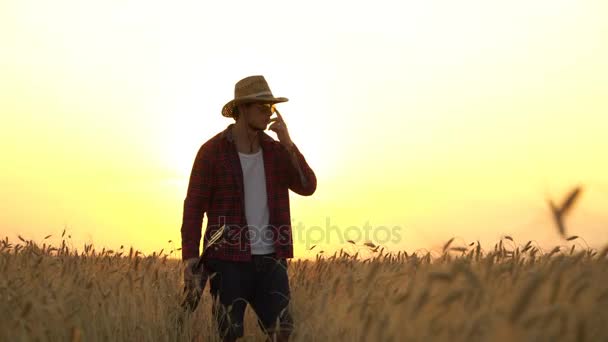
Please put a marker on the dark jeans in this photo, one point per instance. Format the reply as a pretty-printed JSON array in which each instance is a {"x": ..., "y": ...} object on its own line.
[{"x": 262, "y": 283}]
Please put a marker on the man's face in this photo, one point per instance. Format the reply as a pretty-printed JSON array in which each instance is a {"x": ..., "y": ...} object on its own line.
[{"x": 258, "y": 115}]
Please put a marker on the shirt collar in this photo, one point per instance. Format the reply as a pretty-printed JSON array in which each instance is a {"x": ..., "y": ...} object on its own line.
[{"x": 227, "y": 134}]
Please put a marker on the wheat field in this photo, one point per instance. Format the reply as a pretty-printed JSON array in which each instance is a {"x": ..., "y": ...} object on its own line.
[{"x": 511, "y": 292}]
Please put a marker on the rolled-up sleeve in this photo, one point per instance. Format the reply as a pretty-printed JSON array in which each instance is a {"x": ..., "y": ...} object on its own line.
[{"x": 302, "y": 179}]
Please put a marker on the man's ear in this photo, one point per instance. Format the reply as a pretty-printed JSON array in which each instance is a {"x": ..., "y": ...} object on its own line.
[{"x": 240, "y": 109}]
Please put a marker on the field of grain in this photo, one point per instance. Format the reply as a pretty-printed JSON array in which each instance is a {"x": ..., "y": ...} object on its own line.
[{"x": 509, "y": 292}]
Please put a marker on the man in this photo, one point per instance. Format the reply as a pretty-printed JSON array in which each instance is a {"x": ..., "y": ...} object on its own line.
[{"x": 241, "y": 178}]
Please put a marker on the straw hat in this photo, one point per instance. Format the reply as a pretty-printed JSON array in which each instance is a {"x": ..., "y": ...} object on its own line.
[{"x": 250, "y": 89}]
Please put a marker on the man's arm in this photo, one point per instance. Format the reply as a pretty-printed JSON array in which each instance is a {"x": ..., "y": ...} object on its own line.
[
  {"x": 196, "y": 203},
  {"x": 302, "y": 179}
]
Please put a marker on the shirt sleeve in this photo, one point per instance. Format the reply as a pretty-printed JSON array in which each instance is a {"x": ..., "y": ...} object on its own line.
[
  {"x": 196, "y": 203},
  {"x": 301, "y": 177}
]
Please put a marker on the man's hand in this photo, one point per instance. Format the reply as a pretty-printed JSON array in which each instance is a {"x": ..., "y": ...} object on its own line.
[
  {"x": 280, "y": 128},
  {"x": 192, "y": 284},
  {"x": 189, "y": 276}
]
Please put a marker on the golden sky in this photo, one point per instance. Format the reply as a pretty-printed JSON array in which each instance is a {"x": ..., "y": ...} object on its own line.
[{"x": 439, "y": 118}]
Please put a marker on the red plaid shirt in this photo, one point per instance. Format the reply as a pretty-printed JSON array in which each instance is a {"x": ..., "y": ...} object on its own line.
[{"x": 216, "y": 188}]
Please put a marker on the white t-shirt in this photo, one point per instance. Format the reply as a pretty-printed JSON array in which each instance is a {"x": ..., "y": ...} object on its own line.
[{"x": 256, "y": 202}]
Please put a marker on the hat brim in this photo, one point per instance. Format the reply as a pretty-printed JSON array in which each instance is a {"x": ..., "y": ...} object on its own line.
[{"x": 228, "y": 109}]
